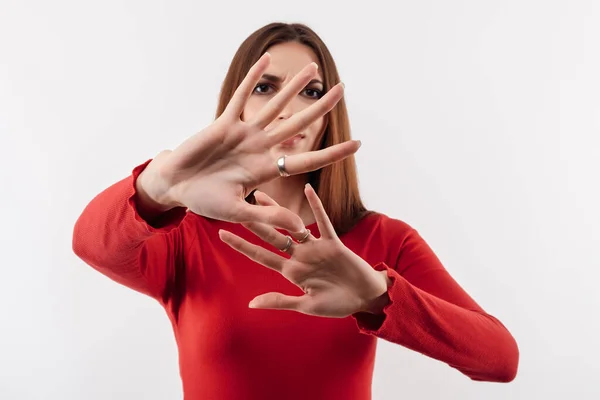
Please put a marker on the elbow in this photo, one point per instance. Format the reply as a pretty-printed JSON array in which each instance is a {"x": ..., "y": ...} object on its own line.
[
  {"x": 507, "y": 371},
  {"x": 76, "y": 242},
  {"x": 79, "y": 244},
  {"x": 500, "y": 365},
  {"x": 500, "y": 374},
  {"x": 510, "y": 376},
  {"x": 504, "y": 358},
  {"x": 505, "y": 365}
]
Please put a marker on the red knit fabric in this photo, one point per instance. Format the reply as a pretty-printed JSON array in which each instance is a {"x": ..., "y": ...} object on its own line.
[{"x": 229, "y": 351}]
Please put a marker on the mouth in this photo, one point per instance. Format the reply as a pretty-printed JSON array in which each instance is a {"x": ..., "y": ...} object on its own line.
[{"x": 292, "y": 141}]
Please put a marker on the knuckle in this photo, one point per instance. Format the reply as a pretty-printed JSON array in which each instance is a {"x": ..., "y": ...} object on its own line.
[
  {"x": 256, "y": 254},
  {"x": 272, "y": 236},
  {"x": 278, "y": 300}
]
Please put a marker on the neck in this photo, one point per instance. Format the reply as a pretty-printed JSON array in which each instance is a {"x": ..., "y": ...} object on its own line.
[{"x": 288, "y": 192}]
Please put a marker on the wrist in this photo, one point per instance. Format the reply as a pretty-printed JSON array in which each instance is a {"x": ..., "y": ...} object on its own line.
[
  {"x": 148, "y": 208},
  {"x": 376, "y": 305}
]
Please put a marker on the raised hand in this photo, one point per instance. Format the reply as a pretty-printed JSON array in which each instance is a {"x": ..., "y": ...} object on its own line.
[
  {"x": 213, "y": 171},
  {"x": 336, "y": 281}
]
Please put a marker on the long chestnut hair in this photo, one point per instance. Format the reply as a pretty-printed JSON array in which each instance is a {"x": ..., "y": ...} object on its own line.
[{"x": 336, "y": 184}]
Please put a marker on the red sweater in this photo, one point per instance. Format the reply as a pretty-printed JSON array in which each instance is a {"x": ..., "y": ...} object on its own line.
[{"x": 229, "y": 351}]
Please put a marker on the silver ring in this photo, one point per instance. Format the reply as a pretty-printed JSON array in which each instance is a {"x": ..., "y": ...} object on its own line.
[
  {"x": 306, "y": 235},
  {"x": 281, "y": 166},
  {"x": 287, "y": 245}
]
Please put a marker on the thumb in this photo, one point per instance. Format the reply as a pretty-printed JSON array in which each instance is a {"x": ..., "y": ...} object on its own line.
[
  {"x": 264, "y": 199},
  {"x": 276, "y": 301},
  {"x": 275, "y": 216}
]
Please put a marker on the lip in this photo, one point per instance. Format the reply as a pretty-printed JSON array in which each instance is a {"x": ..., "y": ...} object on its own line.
[{"x": 293, "y": 140}]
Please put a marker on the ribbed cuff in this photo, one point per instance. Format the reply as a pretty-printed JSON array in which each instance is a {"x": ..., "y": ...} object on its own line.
[
  {"x": 374, "y": 324},
  {"x": 163, "y": 223}
]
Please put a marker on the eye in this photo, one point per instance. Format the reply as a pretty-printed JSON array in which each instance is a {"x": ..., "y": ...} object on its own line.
[
  {"x": 313, "y": 93},
  {"x": 262, "y": 88}
]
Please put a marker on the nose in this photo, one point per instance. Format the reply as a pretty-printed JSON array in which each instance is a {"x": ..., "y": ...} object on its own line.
[
  {"x": 286, "y": 112},
  {"x": 293, "y": 106}
]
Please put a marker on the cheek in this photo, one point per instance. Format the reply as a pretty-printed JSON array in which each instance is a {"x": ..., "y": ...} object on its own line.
[
  {"x": 253, "y": 105},
  {"x": 315, "y": 131},
  {"x": 316, "y": 128}
]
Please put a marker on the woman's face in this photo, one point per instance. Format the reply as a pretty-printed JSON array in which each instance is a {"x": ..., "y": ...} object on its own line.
[{"x": 287, "y": 59}]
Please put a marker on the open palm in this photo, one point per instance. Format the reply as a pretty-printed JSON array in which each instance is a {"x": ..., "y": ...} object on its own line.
[
  {"x": 213, "y": 171},
  {"x": 335, "y": 280}
]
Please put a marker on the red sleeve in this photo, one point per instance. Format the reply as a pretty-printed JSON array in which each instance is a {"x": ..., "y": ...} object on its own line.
[
  {"x": 112, "y": 238},
  {"x": 430, "y": 313}
]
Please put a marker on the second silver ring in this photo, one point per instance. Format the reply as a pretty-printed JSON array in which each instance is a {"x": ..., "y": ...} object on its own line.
[
  {"x": 305, "y": 237},
  {"x": 288, "y": 244}
]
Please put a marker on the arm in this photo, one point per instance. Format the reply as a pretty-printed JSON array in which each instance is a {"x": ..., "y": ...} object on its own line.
[
  {"x": 113, "y": 238},
  {"x": 425, "y": 310}
]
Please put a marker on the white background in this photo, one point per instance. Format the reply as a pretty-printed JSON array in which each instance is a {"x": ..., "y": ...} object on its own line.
[{"x": 480, "y": 123}]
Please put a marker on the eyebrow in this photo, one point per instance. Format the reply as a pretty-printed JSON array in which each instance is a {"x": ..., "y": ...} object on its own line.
[{"x": 276, "y": 79}]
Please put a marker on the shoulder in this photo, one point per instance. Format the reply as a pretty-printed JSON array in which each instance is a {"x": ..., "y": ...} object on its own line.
[
  {"x": 378, "y": 237},
  {"x": 380, "y": 231},
  {"x": 383, "y": 225}
]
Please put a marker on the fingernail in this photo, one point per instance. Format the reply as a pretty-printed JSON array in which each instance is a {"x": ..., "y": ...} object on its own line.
[
  {"x": 359, "y": 143},
  {"x": 343, "y": 85},
  {"x": 315, "y": 64}
]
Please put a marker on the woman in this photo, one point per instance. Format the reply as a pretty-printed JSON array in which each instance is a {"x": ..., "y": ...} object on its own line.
[{"x": 253, "y": 237}]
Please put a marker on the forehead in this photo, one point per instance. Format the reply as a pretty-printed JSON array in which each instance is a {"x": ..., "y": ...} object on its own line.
[{"x": 287, "y": 59}]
